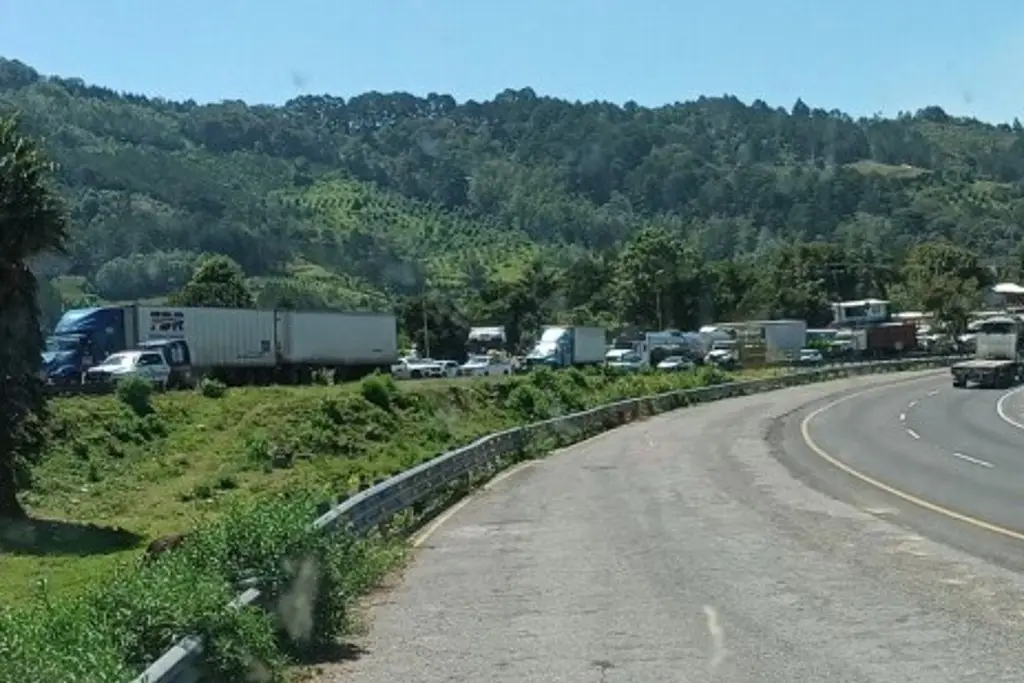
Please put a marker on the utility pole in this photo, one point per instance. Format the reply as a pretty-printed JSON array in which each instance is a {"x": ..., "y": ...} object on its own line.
[
  {"x": 426, "y": 322},
  {"x": 658, "y": 277}
]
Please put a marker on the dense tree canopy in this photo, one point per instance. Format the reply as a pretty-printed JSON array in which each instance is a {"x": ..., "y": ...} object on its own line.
[
  {"x": 32, "y": 222},
  {"x": 528, "y": 209}
]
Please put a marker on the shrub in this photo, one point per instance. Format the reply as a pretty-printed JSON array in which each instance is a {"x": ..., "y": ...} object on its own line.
[
  {"x": 379, "y": 390},
  {"x": 136, "y": 393},
  {"x": 212, "y": 388},
  {"x": 115, "y": 629}
]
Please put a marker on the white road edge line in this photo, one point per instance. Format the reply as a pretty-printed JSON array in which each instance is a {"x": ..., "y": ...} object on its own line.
[
  {"x": 913, "y": 433},
  {"x": 973, "y": 461},
  {"x": 1001, "y": 409},
  {"x": 934, "y": 392},
  {"x": 420, "y": 538},
  {"x": 903, "y": 417},
  {"x": 912, "y": 404},
  {"x": 805, "y": 432}
]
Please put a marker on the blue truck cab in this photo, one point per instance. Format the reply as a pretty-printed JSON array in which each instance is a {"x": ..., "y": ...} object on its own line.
[{"x": 83, "y": 337}]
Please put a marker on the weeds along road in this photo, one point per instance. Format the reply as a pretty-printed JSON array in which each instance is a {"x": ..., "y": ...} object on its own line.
[{"x": 696, "y": 546}]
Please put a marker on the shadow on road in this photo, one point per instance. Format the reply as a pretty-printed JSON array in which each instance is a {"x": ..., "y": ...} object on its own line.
[
  {"x": 333, "y": 653},
  {"x": 55, "y": 537}
]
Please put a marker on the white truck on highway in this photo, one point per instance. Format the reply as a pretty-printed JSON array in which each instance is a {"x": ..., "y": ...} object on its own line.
[
  {"x": 997, "y": 361},
  {"x": 410, "y": 367},
  {"x": 568, "y": 346}
]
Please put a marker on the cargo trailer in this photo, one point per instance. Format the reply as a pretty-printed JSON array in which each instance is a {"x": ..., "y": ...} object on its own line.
[{"x": 349, "y": 343}]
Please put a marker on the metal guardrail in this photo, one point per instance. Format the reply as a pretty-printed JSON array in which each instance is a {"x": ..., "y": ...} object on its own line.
[{"x": 373, "y": 506}]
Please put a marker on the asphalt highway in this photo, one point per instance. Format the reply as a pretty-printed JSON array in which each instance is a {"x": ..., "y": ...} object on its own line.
[
  {"x": 715, "y": 544},
  {"x": 957, "y": 449}
]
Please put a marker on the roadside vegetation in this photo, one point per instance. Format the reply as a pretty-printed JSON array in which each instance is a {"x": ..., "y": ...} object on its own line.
[{"x": 241, "y": 471}]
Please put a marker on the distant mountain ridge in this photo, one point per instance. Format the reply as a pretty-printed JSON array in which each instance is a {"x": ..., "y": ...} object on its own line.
[{"x": 390, "y": 194}]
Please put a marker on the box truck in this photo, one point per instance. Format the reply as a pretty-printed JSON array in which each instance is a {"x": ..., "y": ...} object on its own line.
[{"x": 561, "y": 347}]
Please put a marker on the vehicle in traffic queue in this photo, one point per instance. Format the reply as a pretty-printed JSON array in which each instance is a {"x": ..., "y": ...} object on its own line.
[
  {"x": 810, "y": 357},
  {"x": 417, "y": 368},
  {"x": 676, "y": 364},
  {"x": 485, "y": 366},
  {"x": 149, "y": 365}
]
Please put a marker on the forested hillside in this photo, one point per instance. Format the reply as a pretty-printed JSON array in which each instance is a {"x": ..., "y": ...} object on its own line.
[{"x": 524, "y": 206}]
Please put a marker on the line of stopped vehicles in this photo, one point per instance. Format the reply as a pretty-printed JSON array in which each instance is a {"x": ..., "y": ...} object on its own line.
[{"x": 90, "y": 349}]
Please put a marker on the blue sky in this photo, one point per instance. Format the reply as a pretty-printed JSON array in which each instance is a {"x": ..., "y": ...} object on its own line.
[{"x": 863, "y": 57}]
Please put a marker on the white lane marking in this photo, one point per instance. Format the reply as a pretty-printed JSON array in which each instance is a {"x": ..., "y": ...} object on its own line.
[
  {"x": 934, "y": 392},
  {"x": 973, "y": 461},
  {"x": 903, "y": 417},
  {"x": 913, "y": 433},
  {"x": 912, "y": 404},
  {"x": 1001, "y": 409},
  {"x": 805, "y": 432}
]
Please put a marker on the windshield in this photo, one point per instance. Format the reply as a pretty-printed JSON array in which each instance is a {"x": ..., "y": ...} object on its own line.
[
  {"x": 57, "y": 344},
  {"x": 119, "y": 359},
  {"x": 997, "y": 327},
  {"x": 552, "y": 335},
  {"x": 673, "y": 359}
]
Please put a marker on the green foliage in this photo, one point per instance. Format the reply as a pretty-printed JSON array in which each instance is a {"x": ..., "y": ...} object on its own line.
[
  {"x": 122, "y": 624},
  {"x": 551, "y": 212},
  {"x": 212, "y": 388},
  {"x": 379, "y": 390},
  {"x": 136, "y": 393},
  {"x": 218, "y": 282},
  {"x": 32, "y": 223}
]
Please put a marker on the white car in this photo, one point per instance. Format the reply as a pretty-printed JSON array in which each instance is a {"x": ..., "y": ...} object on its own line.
[
  {"x": 485, "y": 366},
  {"x": 677, "y": 364},
  {"x": 149, "y": 365},
  {"x": 809, "y": 356},
  {"x": 417, "y": 368},
  {"x": 631, "y": 361}
]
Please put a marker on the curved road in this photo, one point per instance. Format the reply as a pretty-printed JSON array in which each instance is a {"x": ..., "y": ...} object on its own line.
[
  {"x": 689, "y": 547},
  {"x": 949, "y": 446}
]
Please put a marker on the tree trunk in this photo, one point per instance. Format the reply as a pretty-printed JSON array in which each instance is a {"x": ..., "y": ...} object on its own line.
[{"x": 10, "y": 506}]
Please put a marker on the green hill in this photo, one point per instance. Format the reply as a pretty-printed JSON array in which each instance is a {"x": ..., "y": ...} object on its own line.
[{"x": 358, "y": 201}]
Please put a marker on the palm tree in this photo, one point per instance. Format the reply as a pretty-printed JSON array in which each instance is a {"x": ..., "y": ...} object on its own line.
[{"x": 32, "y": 222}]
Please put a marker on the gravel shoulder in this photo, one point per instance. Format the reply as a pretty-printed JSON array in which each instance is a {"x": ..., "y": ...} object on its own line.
[{"x": 681, "y": 549}]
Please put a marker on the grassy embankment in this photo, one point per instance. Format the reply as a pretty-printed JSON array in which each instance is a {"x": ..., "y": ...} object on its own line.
[{"x": 118, "y": 476}]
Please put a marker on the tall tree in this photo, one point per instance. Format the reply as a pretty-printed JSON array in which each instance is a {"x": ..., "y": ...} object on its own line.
[
  {"x": 658, "y": 281},
  {"x": 218, "y": 282},
  {"x": 32, "y": 222}
]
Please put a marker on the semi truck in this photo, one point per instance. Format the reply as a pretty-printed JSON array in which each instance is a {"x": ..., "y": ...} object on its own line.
[
  {"x": 567, "y": 346},
  {"x": 237, "y": 345},
  {"x": 997, "y": 356}
]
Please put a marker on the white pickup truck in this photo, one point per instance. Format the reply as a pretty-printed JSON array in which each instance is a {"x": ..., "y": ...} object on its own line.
[
  {"x": 485, "y": 366},
  {"x": 417, "y": 368}
]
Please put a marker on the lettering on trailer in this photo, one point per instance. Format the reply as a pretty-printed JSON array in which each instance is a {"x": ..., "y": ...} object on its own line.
[{"x": 168, "y": 324}]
